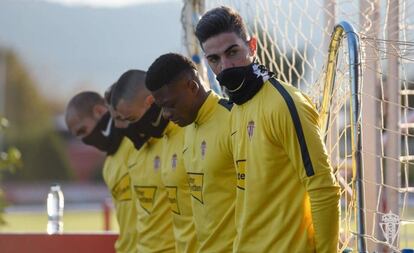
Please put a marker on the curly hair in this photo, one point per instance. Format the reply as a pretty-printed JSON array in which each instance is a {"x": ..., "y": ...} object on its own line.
[{"x": 166, "y": 69}]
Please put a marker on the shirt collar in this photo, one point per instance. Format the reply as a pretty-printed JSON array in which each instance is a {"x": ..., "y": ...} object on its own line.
[
  {"x": 171, "y": 129},
  {"x": 207, "y": 109}
]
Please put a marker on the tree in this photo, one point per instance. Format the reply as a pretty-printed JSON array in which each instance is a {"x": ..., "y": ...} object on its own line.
[
  {"x": 32, "y": 129},
  {"x": 8, "y": 162}
]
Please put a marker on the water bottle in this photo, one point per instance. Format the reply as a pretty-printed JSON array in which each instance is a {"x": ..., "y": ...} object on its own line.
[{"x": 55, "y": 204}]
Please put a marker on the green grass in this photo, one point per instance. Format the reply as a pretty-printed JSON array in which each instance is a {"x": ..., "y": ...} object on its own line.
[
  {"x": 407, "y": 231},
  {"x": 93, "y": 221},
  {"x": 407, "y": 236},
  {"x": 74, "y": 221}
]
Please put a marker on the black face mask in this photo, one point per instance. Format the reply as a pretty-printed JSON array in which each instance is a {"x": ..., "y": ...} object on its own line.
[
  {"x": 242, "y": 83},
  {"x": 152, "y": 124},
  {"x": 105, "y": 136}
]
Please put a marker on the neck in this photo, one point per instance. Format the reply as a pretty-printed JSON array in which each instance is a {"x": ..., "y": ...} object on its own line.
[
  {"x": 201, "y": 97},
  {"x": 242, "y": 83}
]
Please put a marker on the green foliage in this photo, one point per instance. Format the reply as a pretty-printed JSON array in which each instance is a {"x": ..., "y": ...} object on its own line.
[
  {"x": 4, "y": 123},
  {"x": 31, "y": 128},
  {"x": 26, "y": 110},
  {"x": 2, "y": 207},
  {"x": 11, "y": 159},
  {"x": 43, "y": 158},
  {"x": 8, "y": 162}
]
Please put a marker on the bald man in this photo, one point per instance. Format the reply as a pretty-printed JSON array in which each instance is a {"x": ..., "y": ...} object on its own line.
[
  {"x": 157, "y": 172},
  {"x": 87, "y": 117}
]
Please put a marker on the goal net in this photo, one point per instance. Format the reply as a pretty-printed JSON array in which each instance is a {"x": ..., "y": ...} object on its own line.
[{"x": 293, "y": 39}]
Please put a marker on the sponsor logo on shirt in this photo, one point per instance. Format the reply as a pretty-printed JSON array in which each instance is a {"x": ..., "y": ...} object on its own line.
[
  {"x": 195, "y": 180},
  {"x": 203, "y": 148},
  {"x": 146, "y": 196},
  {"x": 157, "y": 163},
  {"x": 172, "y": 197},
  {"x": 174, "y": 161},
  {"x": 122, "y": 189},
  {"x": 241, "y": 173},
  {"x": 250, "y": 129}
]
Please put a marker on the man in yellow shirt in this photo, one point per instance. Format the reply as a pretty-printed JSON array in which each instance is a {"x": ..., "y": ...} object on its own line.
[
  {"x": 174, "y": 177},
  {"x": 157, "y": 171},
  {"x": 177, "y": 88},
  {"x": 87, "y": 117},
  {"x": 286, "y": 189}
]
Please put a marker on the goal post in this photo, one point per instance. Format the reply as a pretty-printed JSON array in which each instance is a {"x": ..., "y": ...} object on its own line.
[
  {"x": 368, "y": 125},
  {"x": 345, "y": 38}
]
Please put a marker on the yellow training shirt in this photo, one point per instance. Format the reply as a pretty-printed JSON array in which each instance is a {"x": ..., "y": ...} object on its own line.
[
  {"x": 287, "y": 196},
  {"x": 174, "y": 177},
  {"x": 211, "y": 175},
  {"x": 116, "y": 176},
  {"x": 154, "y": 222}
]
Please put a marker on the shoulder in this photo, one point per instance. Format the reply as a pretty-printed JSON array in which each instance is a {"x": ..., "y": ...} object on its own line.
[
  {"x": 225, "y": 103},
  {"x": 124, "y": 149},
  {"x": 288, "y": 92},
  {"x": 124, "y": 145},
  {"x": 288, "y": 95},
  {"x": 107, "y": 168},
  {"x": 176, "y": 139},
  {"x": 107, "y": 162},
  {"x": 292, "y": 105},
  {"x": 223, "y": 112}
]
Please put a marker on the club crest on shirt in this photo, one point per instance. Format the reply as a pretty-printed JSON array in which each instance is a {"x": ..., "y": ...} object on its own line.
[
  {"x": 203, "y": 149},
  {"x": 250, "y": 129},
  {"x": 174, "y": 161},
  {"x": 157, "y": 163}
]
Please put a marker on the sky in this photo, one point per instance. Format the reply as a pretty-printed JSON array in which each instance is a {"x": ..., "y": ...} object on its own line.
[
  {"x": 106, "y": 3},
  {"x": 72, "y": 46}
]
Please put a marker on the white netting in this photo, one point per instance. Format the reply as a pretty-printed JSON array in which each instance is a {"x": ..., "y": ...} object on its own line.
[
  {"x": 338, "y": 143},
  {"x": 293, "y": 39},
  {"x": 388, "y": 143}
]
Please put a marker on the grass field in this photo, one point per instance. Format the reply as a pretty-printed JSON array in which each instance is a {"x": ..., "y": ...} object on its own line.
[
  {"x": 407, "y": 237},
  {"x": 93, "y": 221},
  {"x": 74, "y": 221}
]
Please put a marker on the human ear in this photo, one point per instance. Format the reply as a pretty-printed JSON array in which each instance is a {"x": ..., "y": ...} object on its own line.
[
  {"x": 193, "y": 86},
  {"x": 252, "y": 43},
  {"x": 99, "y": 110},
  {"x": 149, "y": 100}
]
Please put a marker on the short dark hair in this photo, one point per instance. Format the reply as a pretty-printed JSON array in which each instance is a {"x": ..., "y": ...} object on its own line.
[
  {"x": 128, "y": 86},
  {"x": 166, "y": 69},
  {"x": 108, "y": 94},
  {"x": 220, "y": 20},
  {"x": 84, "y": 102}
]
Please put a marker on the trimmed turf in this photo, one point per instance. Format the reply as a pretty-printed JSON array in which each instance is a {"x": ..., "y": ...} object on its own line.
[{"x": 74, "y": 221}]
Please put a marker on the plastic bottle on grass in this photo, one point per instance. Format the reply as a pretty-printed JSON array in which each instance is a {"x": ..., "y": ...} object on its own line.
[{"x": 55, "y": 205}]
